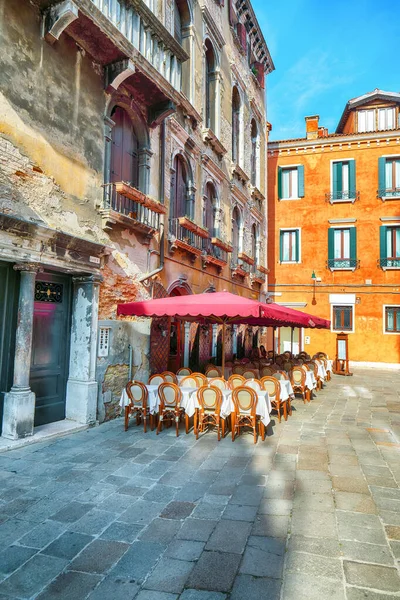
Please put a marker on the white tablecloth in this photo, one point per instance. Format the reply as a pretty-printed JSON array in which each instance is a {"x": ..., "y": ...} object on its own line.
[
  {"x": 286, "y": 389},
  {"x": 154, "y": 400},
  {"x": 329, "y": 365},
  {"x": 263, "y": 407},
  {"x": 311, "y": 382},
  {"x": 321, "y": 371}
]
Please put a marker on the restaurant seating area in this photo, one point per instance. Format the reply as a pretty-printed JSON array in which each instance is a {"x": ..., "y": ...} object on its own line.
[{"x": 245, "y": 394}]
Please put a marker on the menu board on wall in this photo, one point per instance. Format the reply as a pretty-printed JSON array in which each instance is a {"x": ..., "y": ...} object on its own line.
[{"x": 341, "y": 349}]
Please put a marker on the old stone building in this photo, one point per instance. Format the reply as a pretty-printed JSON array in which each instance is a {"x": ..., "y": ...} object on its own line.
[{"x": 132, "y": 165}]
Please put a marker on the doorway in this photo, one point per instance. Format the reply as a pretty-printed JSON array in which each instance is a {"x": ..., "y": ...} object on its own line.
[
  {"x": 8, "y": 320},
  {"x": 50, "y": 346}
]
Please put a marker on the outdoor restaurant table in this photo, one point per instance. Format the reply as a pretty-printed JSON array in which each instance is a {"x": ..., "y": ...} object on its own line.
[
  {"x": 329, "y": 365},
  {"x": 321, "y": 371},
  {"x": 311, "y": 382},
  {"x": 263, "y": 407},
  {"x": 286, "y": 389},
  {"x": 154, "y": 400}
]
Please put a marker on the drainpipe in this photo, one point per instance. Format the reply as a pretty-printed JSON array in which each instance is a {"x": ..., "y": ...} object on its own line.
[{"x": 161, "y": 196}]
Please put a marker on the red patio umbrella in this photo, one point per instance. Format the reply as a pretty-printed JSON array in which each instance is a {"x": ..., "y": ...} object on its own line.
[{"x": 217, "y": 307}]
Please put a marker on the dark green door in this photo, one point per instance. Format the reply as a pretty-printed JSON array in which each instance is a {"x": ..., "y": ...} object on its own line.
[
  {"x": 50, "y": 346},
  {"x": 8, "y": 318}
]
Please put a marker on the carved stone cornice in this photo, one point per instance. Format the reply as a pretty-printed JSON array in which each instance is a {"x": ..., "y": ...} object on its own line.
[
  {"x": 28, "y": 267},
  {"x": 237, "y": 76},
  {"x": 238, "y": 194},
  {"x": 212, "y": 167},
  {"x": 212, "y": 27},
  {"x": 260, "y": 114},
  {"x": 188, "y": 143}
]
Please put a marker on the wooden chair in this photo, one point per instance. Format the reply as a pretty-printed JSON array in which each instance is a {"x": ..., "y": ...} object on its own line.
[
  {"x": 213, "y": 371},
  {"x": 156, "y": 379},
  {"x": 170, "y": 377},
  {"x": 209, "y": 413},
  {"x": 298, "y": 381},
  {"x": 313, "y": 366},
  {"x": 250, "y": 374},
  {"x": 279, "y": 375},
  {"x": 287, "y": 365},
  {"x": 200, "y": 378},
  {"x": 189, "y": 381},
  {"x": 254, "y": 384},
  {"x": 184, "y": 371},
  {"x": 245, "y": 402},
  {"x": 267, "y": 371},
  {"x": 219, "y": 382},
  {"x": 138, "y": 398},
  {"x": 235, "y": 381},
  {"x": 238, "y": 369},
  {"x": 271, "y": 384},
  {"x": 170, "y": 410}
]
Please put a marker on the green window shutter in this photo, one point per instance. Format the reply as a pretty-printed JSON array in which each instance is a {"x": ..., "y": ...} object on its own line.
[
  {"x": 280, "y": 246},
  {"x": 279, "y": 182},
  {"x": 353, "y": 243},
  {"x": 300, "y": 179},
  {"x": 352, "y": 178},
  {"x": 337, "y": 180},
  {"x": 297, "y": 245},
  {"x": 381, "y": 174},
  {"x": 331, "y": 244},
  {"x": 383, "y": 243}
]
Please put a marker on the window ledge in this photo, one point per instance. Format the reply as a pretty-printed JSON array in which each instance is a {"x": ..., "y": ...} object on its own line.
[
  {"x": 256, "y": 194},
  {"x": 210, "y": 138},
  {"x": 246, "y": 258},
  {"x": 132, "y": 193},
  {"x": 240, "y": 174},
  {"x": 193, "y": 227},
  {"x": 296, "y": 198},
  {"x": 342, "y": 268},
  {"x": 111, "y": 218},
  {"x": 221, "y": 244},
  {"x": 391, "y": 333},
  {"x": 290, "y": 262},
  {"x": 390, "y": 268}
]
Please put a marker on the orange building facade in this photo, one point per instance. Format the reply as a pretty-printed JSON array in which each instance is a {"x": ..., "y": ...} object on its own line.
[{"x": 334, "y": 229}]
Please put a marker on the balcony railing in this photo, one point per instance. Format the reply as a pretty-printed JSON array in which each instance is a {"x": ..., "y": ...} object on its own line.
[
  {"x": 182, "y": 238},
  {"x": 349, "y": 196},
  {"x": 141, "y": 215},
  {"x": 213, "y": 250},
  {"x": 138, "y": 24},
  {"x": 388, "y": 193},
  {"x": 390, "y": 263},
  {"x": 343, "y": 263}
]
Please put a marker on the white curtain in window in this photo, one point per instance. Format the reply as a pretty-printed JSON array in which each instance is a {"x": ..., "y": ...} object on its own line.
[
  {"x": 389, "y": 175},
  {"x": 361, "y": 121},
  {"x": 289, "y": 246},
  {"x": 390, "y": 319},
  {"x": 370, "y": 120},
  {"x": 345, "y": 177},
  {"x": 290, "y": 184},
  {"x": 386, "y": 118},
  {"x": 341, "y": 235}
]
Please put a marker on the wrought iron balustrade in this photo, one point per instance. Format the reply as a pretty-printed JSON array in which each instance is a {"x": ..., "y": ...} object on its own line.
[
  {"x": 179, "y": 232},
  {"x": 388, "y": 193},
  {"x": 343, "y": 263},
  {"x": 112, "y": 200},
  {"x": 390, "y": 263},
  {"x": 349, "y": 196},
  {"x": 213, "y": 250}
]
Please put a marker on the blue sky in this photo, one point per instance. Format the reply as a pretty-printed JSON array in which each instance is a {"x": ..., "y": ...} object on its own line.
[{"x": 324, "y": 54}]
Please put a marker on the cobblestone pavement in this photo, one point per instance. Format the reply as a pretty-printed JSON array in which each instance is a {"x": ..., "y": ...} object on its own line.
[{"x": 311, "y": 513}]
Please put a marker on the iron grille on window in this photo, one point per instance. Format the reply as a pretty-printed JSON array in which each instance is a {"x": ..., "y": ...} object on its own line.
[{"x": 343, "y": 263}]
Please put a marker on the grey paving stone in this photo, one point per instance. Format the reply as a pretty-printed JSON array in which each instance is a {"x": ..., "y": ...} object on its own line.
[
  {"x": 371, "y": 576},
  {"x": 72, "y": 512},
  {"x": 99, "y": 556},
  {"x": 15, "y": 556},
  {"x": 319, "y": 546},
  {"x": 236, "y": 512},
  {"x": 252, "y": 588},
  {"x": 138, "y": 561},
  {"x": 141, "y": 512},
  {"x": 153, "y": 595},
  {"x": 314, "y": 501},
  {"x": 354, "y": 593},
  {"x": 94, "y": 522},
  {"x": 115, "y": 588},
  {"x": 202, "y": 595},
  {"x": 366, "y": 552},
  {"x": 395, "y": 546},
  {"x": 263, "y": 558},
  {"x": 301, "y": 586},
  {"x": 318, "y": 566},
  {"x": 214, "y": 571},
  {"x": 160, "y": 493},
  {"x": 206, "y": 510},
  {"x": 117, "y": 502},
  {"x": 196, "y": 529},
  {"x": 68, "y": 545},
  {"x": 184, "y": 550},
  {"x": 177, "y": 510},
  {"x": 192, "y": 492},
  {"x": 160, "y": 530},
  {"x": 70, "y": 586},
  {"x": 271, "y": 526},
  {"x": 272, "y": 506},
  {"x": 33, "y": 577},
  {"x": 169, "y": 576},
  {"x": 13, "y": 529},
  {"x": 122, "y": 532},
  {"x": 361, "y": 534},
  {"x": 247, "y": 494},
  {"x": 313, "y": 524},
  {"x": 229, "y": 536},
  {"x": 132, "y": 490},
  {"x": 355, "y": 502}
]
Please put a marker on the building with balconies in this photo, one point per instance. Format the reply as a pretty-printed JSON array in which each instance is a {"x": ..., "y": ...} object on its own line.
[
  {"x": 132, "y": 165},
  {"x": 334, "y": 229}
]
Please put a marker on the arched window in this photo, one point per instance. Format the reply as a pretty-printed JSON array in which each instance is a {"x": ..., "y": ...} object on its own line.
[
  {"x": 254, "y": 245},
  {"x": 209, "y": 207},
  {"x": 210, "y": 86},
  {"x": 254, "y": 152},
  {"x": 182, "y": 19},
  {"x": 180, "y": 205},
  {"x": 177, "y": 22},
  {"x": 236, "y": 234},
  {"x": 124, "y": 164},
  {"x": 235, "y": 125}
]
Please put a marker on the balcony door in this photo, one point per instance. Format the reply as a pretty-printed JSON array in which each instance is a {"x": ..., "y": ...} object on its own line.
[{"x": 124, "y": 150}]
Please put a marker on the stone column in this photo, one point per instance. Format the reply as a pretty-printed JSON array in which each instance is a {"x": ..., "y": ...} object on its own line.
[
  {"x": 186, "y": 344},
  {"x": 19, "y": 403},
  {"x": 214, "y": 340},
  {"x": 234, "y": 342},
  {"x": 81, "y": 401}
]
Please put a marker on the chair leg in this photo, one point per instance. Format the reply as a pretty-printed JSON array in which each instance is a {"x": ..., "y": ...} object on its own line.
[
  {"x": 151, "y": 422},
  {"x": 218, "y": 429},
  {"x": 289, "y": 401},
  {"x": 177, "y": 425},
  {"x": 145, "y": 423},
  {"x": 223, "y": 428},
  {"x": 284, "y": 411},
  {"x": 278, "y": 408},
  {"x": 126, "y": 417},
  {"x": 233, "y": 426},
  {"x": 159, "y": 426},
  {"x": 187, "y": 423},
  {"x": 262, "y": 430},
  {"x": 255, "y": 430},
  {"x": 196, "y": 425}
]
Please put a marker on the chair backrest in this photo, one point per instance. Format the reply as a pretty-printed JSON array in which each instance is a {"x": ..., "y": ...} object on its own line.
[
  {"x": 322, "y": 355},
  {"x": 313, "y": 367},
  {"x": 184, "y": 371},
  {"x": 287, "y": 365},
  {"x": 306, "y": 367},
  {"x": 219, "y": 382},
  {"x": 170, "y": 395},
  {"x": 238, "y": 369},
  {"x": 169, "y": 376},
  {"x": 267, "y": 371},
  {"x": 210, "y": 398},
  {"x": 156, "y": 379},
  {"x": 279, "y": 375},
  {"x": 137, "y": 393},
  {"x": 271, "y": 385},
  {"x": 213, "y": 371},
  {"x": 298, "y": 376},
  {"x": 235, "y": 381},
  {"x": 200, "y": 378},
  {"x": 254, "y": 384},
  {"x": 189, "y": 381},
  {"x": 245, "y": 400},
  {"x": 250, "y": 374}
]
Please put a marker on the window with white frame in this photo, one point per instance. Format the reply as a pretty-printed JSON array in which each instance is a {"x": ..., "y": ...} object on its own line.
[
  {"x": 342, "y": 248},
  {"x": 290, "y": 246},
  {"x": 342, "y": 317},
  {"x": 376, "y": 119},
  {"x": 386, "y": 118},
  {"x": 343, "y": 184},
  {"x": 392, "y": 319},
  {"x": 392, "y": 176},
  {"x": 366, "y": 120},
  {"x": 390, "y": 247}
]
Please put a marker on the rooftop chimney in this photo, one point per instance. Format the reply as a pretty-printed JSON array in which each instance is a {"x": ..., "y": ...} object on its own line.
[{"x": 312, "y": 127}]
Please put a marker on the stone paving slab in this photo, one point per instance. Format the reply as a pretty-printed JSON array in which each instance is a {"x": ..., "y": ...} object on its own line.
[{"x": 311, "y": 513}]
